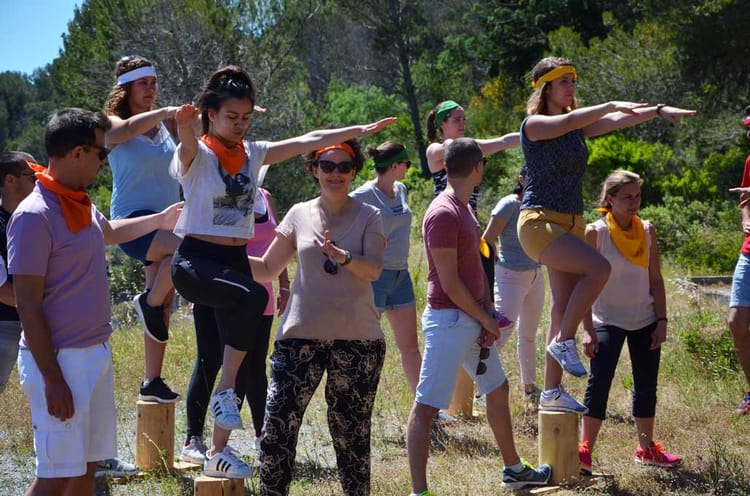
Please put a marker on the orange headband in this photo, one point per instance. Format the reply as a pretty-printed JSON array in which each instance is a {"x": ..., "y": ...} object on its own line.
[{"x": 341, "y": 146}]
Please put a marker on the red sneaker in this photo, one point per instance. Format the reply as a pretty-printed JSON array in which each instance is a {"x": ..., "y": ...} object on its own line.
[
  {"x": 656, "y": 455},
  {"x": 584, "y": 458}
]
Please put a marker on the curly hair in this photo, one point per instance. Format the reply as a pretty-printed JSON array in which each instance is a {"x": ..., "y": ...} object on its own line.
[
  {"x": 537, "y": 103},
  {"x": 358, "y": 160},
  {"x": 118, "y": 99}
]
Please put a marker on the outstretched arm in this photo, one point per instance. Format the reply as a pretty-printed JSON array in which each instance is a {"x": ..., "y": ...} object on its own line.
[
  {"x": 274, "y": 261},
  {"x": 494, "y": 145},
  {"x": 288, "y": 148},
  {"x": 123, "y": 230},
  {"x": 621, "y": 120},
  {"x": 123, "y": 130},
  {"x": 545, "y": 127}
]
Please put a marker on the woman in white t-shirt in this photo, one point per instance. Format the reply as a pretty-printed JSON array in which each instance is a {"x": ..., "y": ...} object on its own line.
[
  {"x": 331, "y": 324},
  {"x": 219, "y": 175},
  {"x": 632, "y": 308}
]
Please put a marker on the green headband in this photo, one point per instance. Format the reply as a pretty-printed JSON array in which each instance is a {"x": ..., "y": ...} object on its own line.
[
  {"x": 444, "y": 109},
  {"x": 401, "y": 156}
]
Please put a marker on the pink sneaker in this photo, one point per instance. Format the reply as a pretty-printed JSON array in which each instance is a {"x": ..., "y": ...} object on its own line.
[
  {"x": 657, "y": 456},
  {"x": 584, "y": 458}
]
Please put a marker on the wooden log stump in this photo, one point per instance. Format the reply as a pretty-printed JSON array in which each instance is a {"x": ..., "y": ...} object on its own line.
[
  {"x": 204, "y": 485},
  {"x": 154, "y": 449},
  {"x": 558, "y": 445},
  {"x": 462, "y": 404}
]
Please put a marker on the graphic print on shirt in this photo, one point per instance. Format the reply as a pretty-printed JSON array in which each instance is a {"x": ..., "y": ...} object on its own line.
[{"x": 235, "y": 206}]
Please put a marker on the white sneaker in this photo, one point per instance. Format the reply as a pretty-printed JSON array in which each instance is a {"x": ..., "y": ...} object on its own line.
[
  {"x": 565, "y": 353},
  {"x": 194, "y": 451},
  {"x": 227, "y": 464},
  {"x": 558, "y": 400},
  {"x": 225, "y": 409}
]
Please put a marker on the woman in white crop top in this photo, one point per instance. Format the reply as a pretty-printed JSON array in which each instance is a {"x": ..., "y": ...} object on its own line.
[
  {"x": 631, "y": 307},
  {"x": 219, "y": 175}
]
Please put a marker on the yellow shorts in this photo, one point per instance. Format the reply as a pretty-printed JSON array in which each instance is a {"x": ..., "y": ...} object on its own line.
[{"x": 539, "y": 227}]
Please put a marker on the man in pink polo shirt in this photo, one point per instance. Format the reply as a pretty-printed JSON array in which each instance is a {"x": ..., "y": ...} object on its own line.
[{"x": 56, "y": 241}]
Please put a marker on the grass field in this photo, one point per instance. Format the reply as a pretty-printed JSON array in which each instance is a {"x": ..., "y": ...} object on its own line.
[{"x": 698, "y": 389}]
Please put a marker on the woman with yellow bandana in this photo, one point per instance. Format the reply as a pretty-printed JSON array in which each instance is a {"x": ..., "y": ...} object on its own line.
[
  {"x": 632, "y": 307},
  {"x": 550, "y": 225}
]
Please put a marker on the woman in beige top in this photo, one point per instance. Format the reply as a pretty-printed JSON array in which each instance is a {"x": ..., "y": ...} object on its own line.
[{"x": 330, "y": 324}]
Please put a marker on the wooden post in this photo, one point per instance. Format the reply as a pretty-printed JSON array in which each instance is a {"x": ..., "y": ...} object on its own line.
[
  {"x": 558, "y": 445},
  {"x": 214, "y": 486},
  {"x": 154, "y": 449},
  {"x": 462, "y": 404}
]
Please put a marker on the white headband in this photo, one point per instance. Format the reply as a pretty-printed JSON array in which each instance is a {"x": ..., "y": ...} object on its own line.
[{"x": 141, "y": 72}]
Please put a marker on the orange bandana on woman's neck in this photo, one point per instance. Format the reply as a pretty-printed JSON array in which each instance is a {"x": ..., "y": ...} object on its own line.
[
  {"x": 632, "y": 244},
  {"x": 231, "y": 159},
  {"x": 75, "y": 204}
]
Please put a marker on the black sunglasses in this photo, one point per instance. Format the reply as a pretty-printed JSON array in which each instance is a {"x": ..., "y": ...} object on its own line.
[
  {"x": 484, "y": 354},
  {"x": 330, "y": 266},
  {"x": 327, "y": 166},
  {"x": 103, "y": 151}
]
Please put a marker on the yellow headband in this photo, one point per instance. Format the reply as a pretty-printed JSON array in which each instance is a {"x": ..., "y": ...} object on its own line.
[{"x": 554, "y": 74}]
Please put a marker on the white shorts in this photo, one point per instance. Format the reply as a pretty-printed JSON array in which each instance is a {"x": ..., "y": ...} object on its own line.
[
  {"x": 450, "y": 341},
  {"x": 64, "y": 448}
]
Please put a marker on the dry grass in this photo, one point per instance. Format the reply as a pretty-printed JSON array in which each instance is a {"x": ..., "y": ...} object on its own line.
[{"x": 693, "y": 419}]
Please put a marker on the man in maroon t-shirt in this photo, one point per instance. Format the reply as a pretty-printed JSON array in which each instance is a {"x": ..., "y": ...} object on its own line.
[
  {"x": 739, "y": 303},
  {"x": 458, "y": 316}
]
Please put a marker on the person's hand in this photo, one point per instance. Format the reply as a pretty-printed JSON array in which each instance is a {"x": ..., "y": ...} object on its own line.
[
  {"x": 674, "y": 114},
  {"x": 258, "y": 108},
  {"x": 490, "y": 325},
  {"x": 626, "y": 107},
  {"x": 171, "y": 112},
  {"x": 170, "y": 215},
  {"x": 59, "y": 399},
  {"x": 333, "y": 252},
  {"x": 376, "y": 127},
  {"x": 281, "y": 300},
  {"x": 741, "y": 191},
  {"x": 590, "y": 343},
  {"x": 659, "y": 335},
  {"x": 486, "y": 339},
  {"x": 187, "y": 116}
]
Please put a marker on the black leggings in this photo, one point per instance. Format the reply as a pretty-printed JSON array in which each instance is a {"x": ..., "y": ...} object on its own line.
[
  {"x": 219, "y": 277},
  {"x": 252, "y": 382},
  {"x": 644, "y": 362}
]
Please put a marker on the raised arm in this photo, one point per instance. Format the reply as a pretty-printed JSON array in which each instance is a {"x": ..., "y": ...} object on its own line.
[
  {"x": 288, "y": 148},
  {"x": 494, "y": 145},
  {"x": 187, "y": 118},
  {"x": 621, "y": 120},
  {"x": 123, "y": 130},
  {"x": 545, "y": 127}
]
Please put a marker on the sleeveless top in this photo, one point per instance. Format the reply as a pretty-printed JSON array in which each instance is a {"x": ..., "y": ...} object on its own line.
[
  {"x": 140, "y": 174},
  {"x": 626, "y": 300}
]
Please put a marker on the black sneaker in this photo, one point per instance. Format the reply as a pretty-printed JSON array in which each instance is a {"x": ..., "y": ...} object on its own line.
[
  {"x": 152, "y": 318},
  {"x": 156, "y": 390}
]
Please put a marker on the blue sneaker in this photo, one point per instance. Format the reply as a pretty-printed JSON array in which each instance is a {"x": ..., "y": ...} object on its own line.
[
  {"x": 528, "y": 476},
  {"x": 565, "y": 353}
]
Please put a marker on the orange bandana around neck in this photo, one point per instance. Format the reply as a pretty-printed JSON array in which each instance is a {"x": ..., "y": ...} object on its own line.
[
  {"x": 632, "y": 244},
  {"x": 75, "y": 204},
  {"x": 231, "y": 159}
]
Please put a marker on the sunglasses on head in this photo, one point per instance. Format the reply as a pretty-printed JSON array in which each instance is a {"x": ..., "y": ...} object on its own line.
[
  {"x": 484, "y": 354},
  {"x": 327, "y": 166}
]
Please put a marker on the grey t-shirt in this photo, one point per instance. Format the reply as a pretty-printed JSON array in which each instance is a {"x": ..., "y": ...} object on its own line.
[
  {"x": 554, "y": 170},
  {"x": 396, "y": 216},
  {"x": 511, "y": 255}
]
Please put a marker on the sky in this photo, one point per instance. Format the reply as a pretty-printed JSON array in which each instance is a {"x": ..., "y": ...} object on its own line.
[{"x": 31, "y": 32}]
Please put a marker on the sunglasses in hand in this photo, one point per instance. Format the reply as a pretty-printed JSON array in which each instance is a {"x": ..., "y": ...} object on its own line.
[{"x": 484, "y": 354}]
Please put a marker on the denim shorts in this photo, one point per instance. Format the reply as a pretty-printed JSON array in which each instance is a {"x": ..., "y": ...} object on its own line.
[
  {"x": 451, "y": 341},
  {"x": 740, "y": 296},
  {"x": 393, "y": 290},
  {"x": 138, "y": 248}
]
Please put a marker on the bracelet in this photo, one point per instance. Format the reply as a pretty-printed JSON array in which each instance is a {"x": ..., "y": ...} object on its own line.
[
  {"x": 284, "y": 289},
  {"x": 660, "y": 106},
  {"x": 347, "y": 258},
  {"x": 659, "y": 319}
]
